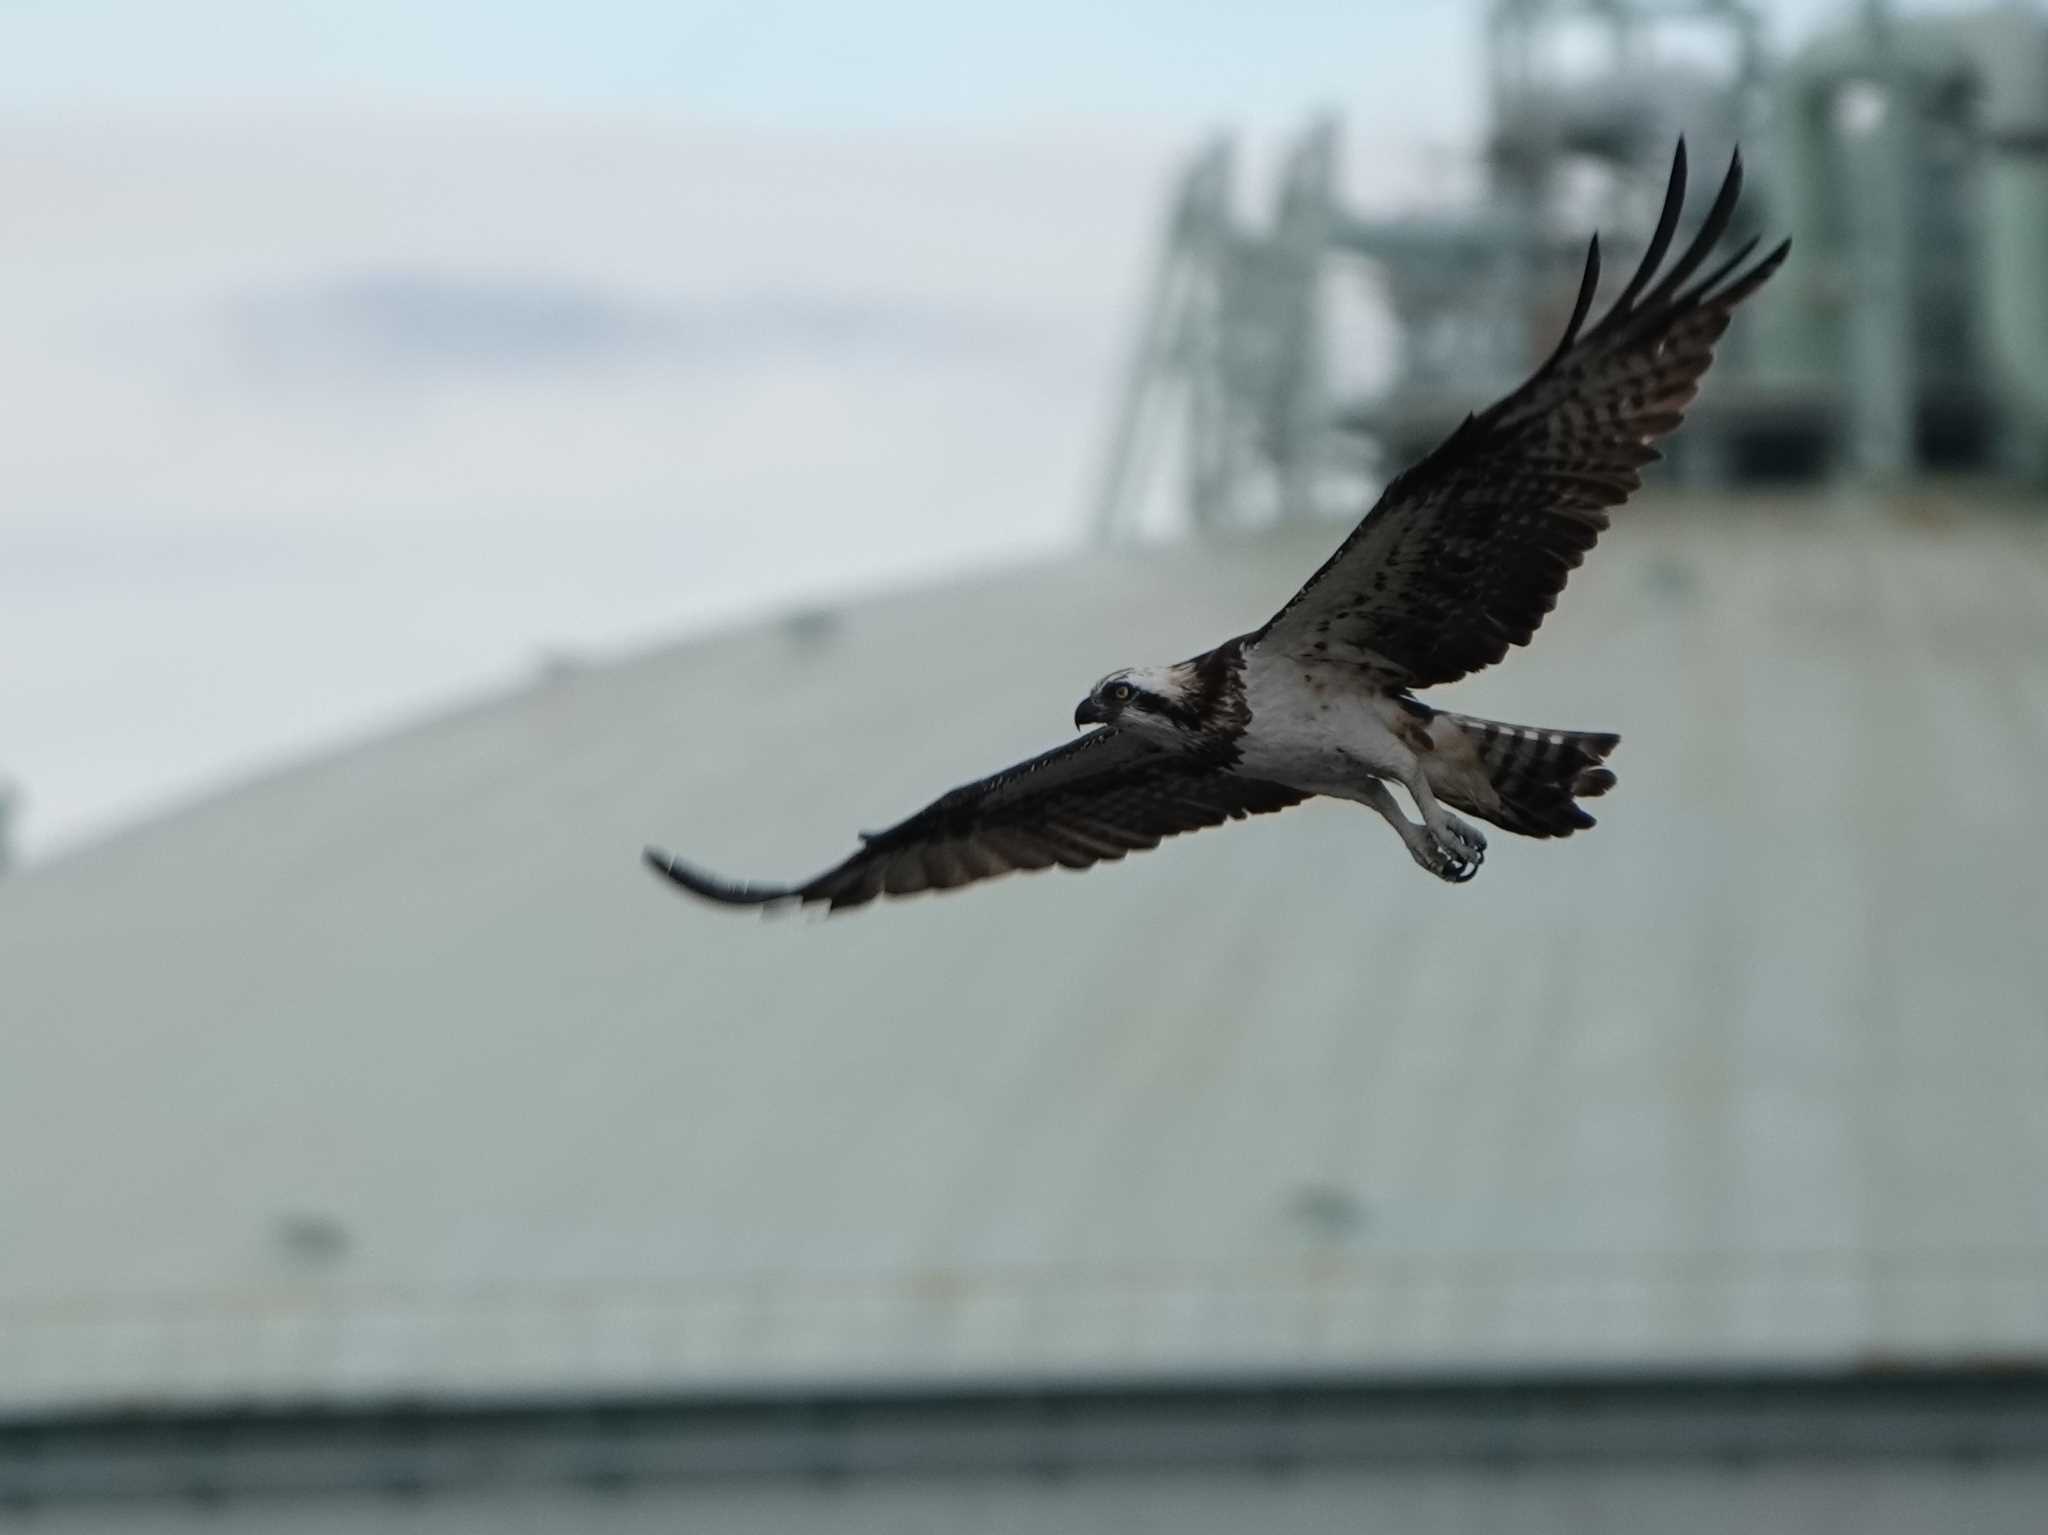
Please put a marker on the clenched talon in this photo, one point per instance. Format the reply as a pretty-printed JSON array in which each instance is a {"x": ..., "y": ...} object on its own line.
[
  {"x": 1465, "y": 841},
  {"x": 1445, "y": 857}
]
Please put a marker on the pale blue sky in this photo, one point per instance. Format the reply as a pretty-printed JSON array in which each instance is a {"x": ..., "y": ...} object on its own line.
[
  {"x": 893, "y": 61},
  {"x": 906, "y": 60}
]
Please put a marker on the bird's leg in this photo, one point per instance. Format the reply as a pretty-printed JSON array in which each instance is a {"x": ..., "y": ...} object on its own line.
[
  {"x": 1434, "y": 853},
  {"x": 1459, "y": 838}
]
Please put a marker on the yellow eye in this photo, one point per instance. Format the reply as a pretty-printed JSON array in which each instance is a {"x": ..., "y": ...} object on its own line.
[{"x": 1121, "y": 692}]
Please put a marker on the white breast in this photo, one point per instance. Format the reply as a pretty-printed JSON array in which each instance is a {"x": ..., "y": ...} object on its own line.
[{"x": 1318, "y": 723}]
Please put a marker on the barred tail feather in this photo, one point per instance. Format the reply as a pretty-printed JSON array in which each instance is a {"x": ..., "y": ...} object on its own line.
[{"x": 1536, "y": 777}]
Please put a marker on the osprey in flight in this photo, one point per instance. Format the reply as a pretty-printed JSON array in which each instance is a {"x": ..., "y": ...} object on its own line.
[{"x": 1461, "y": 558}]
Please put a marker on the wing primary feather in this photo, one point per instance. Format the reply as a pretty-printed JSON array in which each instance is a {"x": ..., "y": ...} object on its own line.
[
  {"x": 1698, "y": 292},
  {"x": 1660, "y": 242},
  {"x": 1710, "y": 232},
  {"x": 725, "y": 892},
  {"x": 1588, "y": 282},
  {"x": 1743, "y": 284}
]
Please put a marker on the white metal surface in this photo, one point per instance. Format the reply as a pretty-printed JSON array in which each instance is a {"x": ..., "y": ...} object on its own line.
[{"x": 396, "y": 1074}]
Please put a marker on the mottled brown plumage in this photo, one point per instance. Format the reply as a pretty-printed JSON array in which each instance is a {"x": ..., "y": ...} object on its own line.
[
  {"x": 1467, "y": 551},
  {"x": 1099, "y": 797}
]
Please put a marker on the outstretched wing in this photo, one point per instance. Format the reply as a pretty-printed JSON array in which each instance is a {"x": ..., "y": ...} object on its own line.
[
  {"x": 1465, "y": 552},
  {"x": 1101, "y": 796}
]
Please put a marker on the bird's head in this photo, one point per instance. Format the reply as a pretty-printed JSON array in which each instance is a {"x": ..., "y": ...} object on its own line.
[{"x": 1154, "y": 701}]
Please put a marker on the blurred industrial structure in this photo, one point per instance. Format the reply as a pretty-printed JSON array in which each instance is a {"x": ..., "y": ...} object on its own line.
[
  {"x": 384, "y": 1148},
  {"x": 1908, "y": 159}
]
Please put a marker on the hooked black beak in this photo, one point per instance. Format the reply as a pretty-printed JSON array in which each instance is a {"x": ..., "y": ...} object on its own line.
[{"x": 1089, "y": 712}]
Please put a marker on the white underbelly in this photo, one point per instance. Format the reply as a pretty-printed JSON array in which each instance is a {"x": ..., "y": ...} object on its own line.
[{"x": 1315, "y": 725}]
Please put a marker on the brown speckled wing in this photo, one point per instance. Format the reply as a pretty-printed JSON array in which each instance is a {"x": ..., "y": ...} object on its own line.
[
  {"x": 1098, "y": 797},
  {"x": 1467, "y": 551}
]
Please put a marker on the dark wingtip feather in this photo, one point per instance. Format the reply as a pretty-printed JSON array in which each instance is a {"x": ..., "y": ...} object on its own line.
[
  {"x": 1589, "y": 280},
  {"x": 1731, "y": 282},
  {"x": 1746, "y": 283},
  {"x": 723, "y": 892},
  {"x": 1660, "y": 242},
  {"x": 1698, "y": 292},
  {"x": 1711, "y": 229}
]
